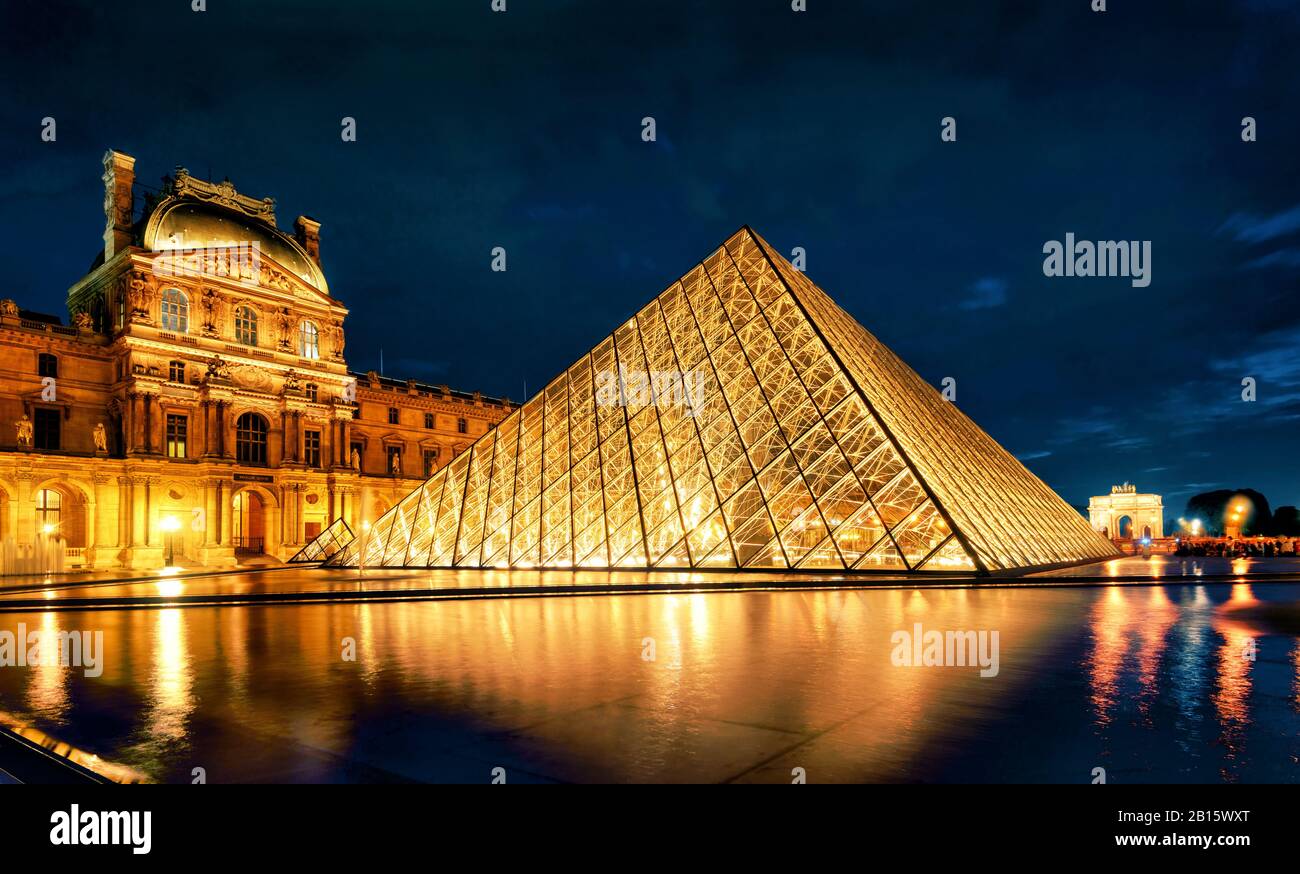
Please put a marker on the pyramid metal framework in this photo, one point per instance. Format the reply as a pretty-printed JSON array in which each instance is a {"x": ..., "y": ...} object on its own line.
[
  {"x": 324, "y": 545},
  {"x": 740, "y": 420}
]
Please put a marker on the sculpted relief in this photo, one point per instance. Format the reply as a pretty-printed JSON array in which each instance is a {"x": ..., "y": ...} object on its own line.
[{"x": 250, "y": 377}]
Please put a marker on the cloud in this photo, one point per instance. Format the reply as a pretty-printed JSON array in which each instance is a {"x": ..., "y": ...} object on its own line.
[
  {"x": 1248, "y": 227},
  {"x": 1030, "y": 456},
  {"x": 1281, "y": 258},
  {"x": 986, "y": 293},
  {"x": 1097, "y": 429}
]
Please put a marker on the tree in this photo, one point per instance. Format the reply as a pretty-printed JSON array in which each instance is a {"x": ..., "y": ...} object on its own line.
[
  {"x": 1286, "y": 521},
  {"x": 1212, "y": 509}
]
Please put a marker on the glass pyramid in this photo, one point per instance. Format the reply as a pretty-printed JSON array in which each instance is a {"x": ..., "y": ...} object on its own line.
[
  {"x": 740, "y": 420},
  {"x": 324, "y": 545}
]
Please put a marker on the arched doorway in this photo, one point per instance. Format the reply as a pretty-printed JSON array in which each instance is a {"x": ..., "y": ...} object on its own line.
[
  {"x": 1125, "y": 527},
  {"x": 1146, "y": 531},
  {"x": 248, "y": 523}
]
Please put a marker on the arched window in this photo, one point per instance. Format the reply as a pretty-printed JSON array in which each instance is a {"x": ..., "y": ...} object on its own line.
[
  {"x": 308, "y": 340},
  {"x": 175, "y": 311},
  {"x": 49, "y": 511},
  {"x": 246, "y": 326},
  {"x": 250, "y": 439}
]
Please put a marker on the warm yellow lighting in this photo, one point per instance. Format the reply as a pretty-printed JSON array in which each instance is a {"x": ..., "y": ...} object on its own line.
[
  {"x": 169, "y": 523},
  {"x": 47, "y": 528},
  {"x": 170, "y": 588},
  {"x": 784, "y": 462}
]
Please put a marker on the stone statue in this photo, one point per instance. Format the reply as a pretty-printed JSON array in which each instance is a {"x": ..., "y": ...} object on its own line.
[
  {"x": 139, "y": 294},
  {"x": 211, "y": 302},
  {"x": 100, "y": 436},
  {"x": 336, "y": 339},
  {"x": 283, "y": 320},
  {"x": 24, "y": 426},
  {"x": 356, "y": 459},
  {"x": 218, "y": 369},
  {"x": 396, "y": 465},
  {"x": 8, "y": 307},
  {"x": 291, "y": 381},
  {"x": 83, "y": 322}
]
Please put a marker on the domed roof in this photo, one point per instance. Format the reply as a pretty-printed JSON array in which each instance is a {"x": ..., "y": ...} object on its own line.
[{"x": 191, "y": 224}]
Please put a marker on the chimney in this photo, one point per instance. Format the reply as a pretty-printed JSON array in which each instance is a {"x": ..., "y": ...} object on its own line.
[
  {"x": 119, "y": 202},
  {"x": 307, "y": 232}
]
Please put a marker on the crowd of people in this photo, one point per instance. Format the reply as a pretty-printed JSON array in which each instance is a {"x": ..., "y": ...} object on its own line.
[{"x": 1232, "y": 547}]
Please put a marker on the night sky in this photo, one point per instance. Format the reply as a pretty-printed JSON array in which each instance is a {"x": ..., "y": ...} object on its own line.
[{"x": 822, "y": 130}]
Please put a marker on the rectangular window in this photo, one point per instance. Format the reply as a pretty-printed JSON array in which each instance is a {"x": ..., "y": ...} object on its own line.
[
  {"x": 428, "y": 421},
  {"x": 176, "y": 371},
  {"x": 462, "y": 426},
  {"x": 46, "y": 428},
  {"x": 47, "y": 365},
  {"x": 311, "y": 448},
  {"x": 430, "y": 462},
  {"x": 177, "y": 428},
  {"x": 393, "y": 417},
  {"x": 312, "y": 392}
]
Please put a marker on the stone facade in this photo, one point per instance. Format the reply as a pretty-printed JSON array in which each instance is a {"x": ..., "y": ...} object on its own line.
[
  {"x": 208, "y": 345},
  {"x": 1145, "y": 514}
]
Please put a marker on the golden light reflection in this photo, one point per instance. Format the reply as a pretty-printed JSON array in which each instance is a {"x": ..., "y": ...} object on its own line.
[
  {"x": 1161, "y": 615},
  {"x": 1110, "y": 624},
  {"x": 48, "y": 692},
  {"x": 170, "y": 696}
]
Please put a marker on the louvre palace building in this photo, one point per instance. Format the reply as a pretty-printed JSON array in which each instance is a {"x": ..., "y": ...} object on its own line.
[{"x": 197, "y": 408}]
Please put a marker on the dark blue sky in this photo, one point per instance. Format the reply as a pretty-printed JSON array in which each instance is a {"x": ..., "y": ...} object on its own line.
[{"x": 819, "y": 129}]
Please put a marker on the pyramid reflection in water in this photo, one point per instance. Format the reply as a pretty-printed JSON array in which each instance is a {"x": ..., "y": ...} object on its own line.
[{"x": 740, "y": 420}]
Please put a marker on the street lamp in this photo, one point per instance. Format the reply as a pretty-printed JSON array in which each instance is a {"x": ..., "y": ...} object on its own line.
[{"x": 171, "y": 525}]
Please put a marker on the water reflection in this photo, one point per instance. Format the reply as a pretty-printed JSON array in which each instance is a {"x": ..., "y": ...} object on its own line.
[{"x": 699, "y": 687}]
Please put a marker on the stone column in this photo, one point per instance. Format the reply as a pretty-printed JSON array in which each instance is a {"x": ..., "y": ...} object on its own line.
[
  {"x": 223, "y": 511},
  {"x": 205, "y": 412},
  {"x": 139, "y": 503},
  {"x": 25, "y": 511},
  {"x": 133, "y": 430},
  {"x": 211, "y": 518},
  {"x": 227, "y": 516},
  {"x": 96, "y": 517},
  {"x": 148, "y": 422},
  {"x": 149, "y": 510},
  {"x": 123, "y": 511},
  {"x": 225, "y": 430}
]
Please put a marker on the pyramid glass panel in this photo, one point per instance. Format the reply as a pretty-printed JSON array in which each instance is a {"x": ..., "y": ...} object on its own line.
[{"x": 739, "y": 420}]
